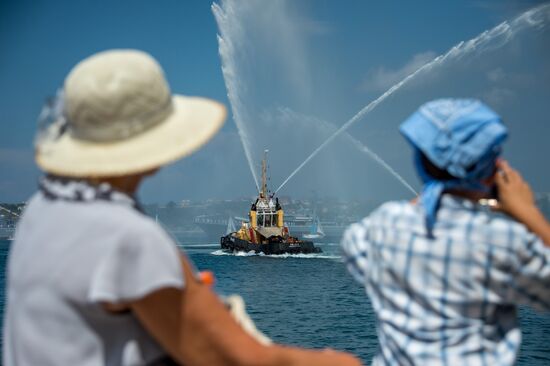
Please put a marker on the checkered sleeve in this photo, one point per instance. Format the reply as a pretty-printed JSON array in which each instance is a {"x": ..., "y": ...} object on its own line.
[
  {"x": 354, "y": 247},
  {"x": 531, "y": 275}
]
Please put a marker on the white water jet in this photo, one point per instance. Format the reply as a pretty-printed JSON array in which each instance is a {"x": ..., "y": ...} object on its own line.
[
  {"x": 505, "y": 31},
  {"x": 374, "y": 156},
  {"x": 330, "y": 128},
  {"x": 363, "y": 148},
  {"x": 233, "y": 20},
  {"x": 231, "y": 32}
]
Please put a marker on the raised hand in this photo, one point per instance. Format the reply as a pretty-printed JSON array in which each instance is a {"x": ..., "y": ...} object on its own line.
[
  {"x": 517, "y": 200},
  {"x": 514, "y": 193}
]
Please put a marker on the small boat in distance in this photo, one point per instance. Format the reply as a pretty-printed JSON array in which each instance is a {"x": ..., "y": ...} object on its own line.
[{"x": 265, "y": 230}]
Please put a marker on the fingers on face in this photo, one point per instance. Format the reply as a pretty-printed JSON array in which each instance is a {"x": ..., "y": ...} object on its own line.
[
  {"x": 500, "y": 178},
  {"x": 508, "y": 173},
  {"x": 501, "y": 164},
  {"x": 513, "y": 176}
]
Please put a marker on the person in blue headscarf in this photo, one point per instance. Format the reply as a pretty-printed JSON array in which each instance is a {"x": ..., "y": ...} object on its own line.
[{"x": 446, "y": 271}]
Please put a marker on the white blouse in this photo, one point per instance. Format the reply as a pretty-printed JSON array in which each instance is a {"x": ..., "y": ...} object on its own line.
[{"x": 68, "y": 257}]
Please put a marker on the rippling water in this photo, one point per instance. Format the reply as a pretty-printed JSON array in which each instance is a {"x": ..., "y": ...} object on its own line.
[{"x": 310, "y": 300}]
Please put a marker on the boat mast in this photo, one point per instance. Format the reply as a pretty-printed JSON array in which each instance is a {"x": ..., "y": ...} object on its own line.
[{"x": 263, "y": 191}]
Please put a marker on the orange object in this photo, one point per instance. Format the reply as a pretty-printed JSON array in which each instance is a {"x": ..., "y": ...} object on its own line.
[{"x": 207, "y": 277}]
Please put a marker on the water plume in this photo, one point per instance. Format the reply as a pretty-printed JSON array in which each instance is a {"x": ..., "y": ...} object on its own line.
[
  {"x": 496, "y": 37},
  {"x": 230, "y": 34},
  {"x": 287, "y": 114},
  {"x": 255, "y": 40}
]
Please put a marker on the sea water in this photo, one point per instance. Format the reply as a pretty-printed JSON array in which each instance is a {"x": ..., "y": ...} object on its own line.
[{"x": 311, "y": 301}]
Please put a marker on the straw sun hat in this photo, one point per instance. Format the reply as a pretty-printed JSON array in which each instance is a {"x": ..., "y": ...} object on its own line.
[{"x": 118, "y": 117}]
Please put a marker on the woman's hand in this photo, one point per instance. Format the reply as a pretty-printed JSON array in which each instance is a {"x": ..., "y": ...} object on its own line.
[
  {"x": 516, "y": 199},
  {"x": 514, "y": 194}
]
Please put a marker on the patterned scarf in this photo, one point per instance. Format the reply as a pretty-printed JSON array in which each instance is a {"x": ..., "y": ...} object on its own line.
[{"x": 79, "y": 190}]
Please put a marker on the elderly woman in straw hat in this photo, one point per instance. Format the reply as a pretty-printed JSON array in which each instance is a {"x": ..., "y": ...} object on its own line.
[{"x": 91, "y": 279}]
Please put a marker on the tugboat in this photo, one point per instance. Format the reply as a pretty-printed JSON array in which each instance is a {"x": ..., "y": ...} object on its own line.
[{"x": 265, "y": 231}]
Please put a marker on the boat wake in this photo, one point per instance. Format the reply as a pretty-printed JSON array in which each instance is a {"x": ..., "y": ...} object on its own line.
[{"x": 282, "y": 256}]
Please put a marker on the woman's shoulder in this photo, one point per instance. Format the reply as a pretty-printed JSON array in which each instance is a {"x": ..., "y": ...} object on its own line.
[
  {"x": 99, "y": 217},
  {"x": 133, "y": 222}
]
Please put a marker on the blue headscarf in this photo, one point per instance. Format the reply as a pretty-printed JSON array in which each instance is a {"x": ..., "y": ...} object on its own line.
[{"x": 460, "y": 136}]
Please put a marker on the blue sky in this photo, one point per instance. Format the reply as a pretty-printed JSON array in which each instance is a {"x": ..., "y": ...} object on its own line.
[{"x": 336, "y": 56}]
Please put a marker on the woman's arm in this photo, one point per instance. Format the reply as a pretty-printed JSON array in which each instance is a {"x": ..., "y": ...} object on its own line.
[{"x": 195, "y": 328}]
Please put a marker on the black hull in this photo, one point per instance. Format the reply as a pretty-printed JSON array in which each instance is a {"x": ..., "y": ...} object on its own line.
[{"x": 231, "y": 243}]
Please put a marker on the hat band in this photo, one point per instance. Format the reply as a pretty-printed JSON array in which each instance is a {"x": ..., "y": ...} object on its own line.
[{"x": 122, "y": 129}]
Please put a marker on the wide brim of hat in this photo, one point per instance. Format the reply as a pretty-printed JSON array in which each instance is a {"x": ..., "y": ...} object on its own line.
[{"x": 192, "y": 123}]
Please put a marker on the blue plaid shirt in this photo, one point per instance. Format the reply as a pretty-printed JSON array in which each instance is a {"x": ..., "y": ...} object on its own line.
[{"x": 450, "y": 300}]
